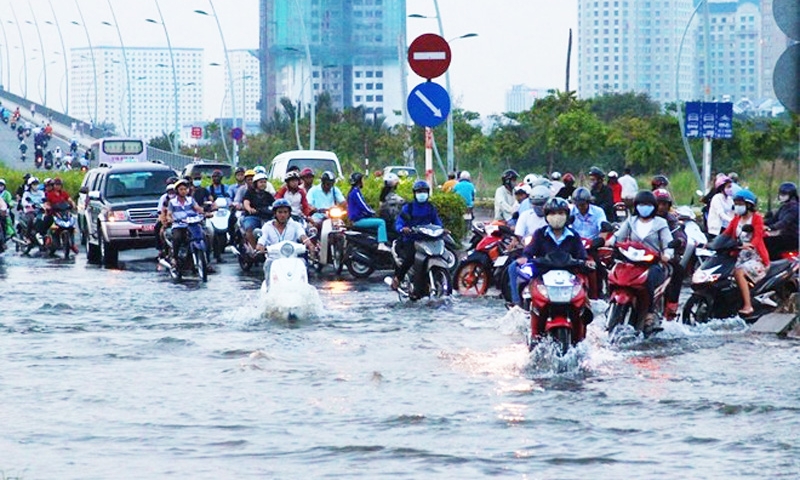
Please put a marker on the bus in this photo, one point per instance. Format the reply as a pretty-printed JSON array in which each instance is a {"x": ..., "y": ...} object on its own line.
[{"x": 113, "y": 150}]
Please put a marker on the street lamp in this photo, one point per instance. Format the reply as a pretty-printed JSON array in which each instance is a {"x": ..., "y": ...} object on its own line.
[
  {"x": 64, "y": 105},
  {"x": 172, "y": 59},
  {"x": 301, "y": 99},
  {"x": 24, "y": 55},
  {"x": 35, "y": 23},
  {"x": 127, "y": 70},
  {"x": 8, "y": 56},
  {"x": 91, "y": 52}
]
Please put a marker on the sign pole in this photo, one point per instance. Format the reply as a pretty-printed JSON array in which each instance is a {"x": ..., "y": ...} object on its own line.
[
  {"x": 429, "y": 156},
  {"x": 706, "y": 162}
]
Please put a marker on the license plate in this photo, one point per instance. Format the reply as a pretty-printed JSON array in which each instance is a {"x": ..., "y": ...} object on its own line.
[
  {"x": 149, "y": 228},
  {"x": 500, "y": 261}
]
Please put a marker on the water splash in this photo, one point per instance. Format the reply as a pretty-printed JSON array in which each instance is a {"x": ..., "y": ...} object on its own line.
[{"x": 301, "y": 303}]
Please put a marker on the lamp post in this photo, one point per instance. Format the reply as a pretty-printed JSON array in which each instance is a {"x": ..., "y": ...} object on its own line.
[
  {"x": 304, "y": 79},
  {"x": 91, "y": 52},
  {"x": 35, "y": 23},
  {"x": 312, "y": 139},
  {"x": 8, "y": 57},
  {"x": 230, "y": 75},
  {"x": 65, "y": 105},
  {"x": 127, "y": 70},
  {"x": 172, "y": 60},
  {"x": 24, "y": 55}
]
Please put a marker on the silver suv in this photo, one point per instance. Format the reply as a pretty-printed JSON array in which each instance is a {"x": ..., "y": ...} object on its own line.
[{"x": 118, "y": 208}]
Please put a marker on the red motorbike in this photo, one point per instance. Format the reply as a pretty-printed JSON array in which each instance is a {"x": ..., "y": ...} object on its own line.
[
  {"x": 559, "y": 301},
  {"x": 627, "y": 282},
  {"x": 604, "y": 260},
  {"x": 486, "y": 264}
]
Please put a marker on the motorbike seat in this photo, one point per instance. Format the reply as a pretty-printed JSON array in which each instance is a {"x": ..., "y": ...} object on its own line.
[
  {"x": 775, "y": 268},
  {"x": 367, "y": 230}
]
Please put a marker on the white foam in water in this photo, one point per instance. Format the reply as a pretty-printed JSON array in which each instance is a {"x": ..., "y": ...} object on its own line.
[{"x": 302, "y": 302}]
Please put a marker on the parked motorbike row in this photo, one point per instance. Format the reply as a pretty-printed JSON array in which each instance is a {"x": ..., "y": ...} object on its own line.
[{"x": 557, "y": 301}]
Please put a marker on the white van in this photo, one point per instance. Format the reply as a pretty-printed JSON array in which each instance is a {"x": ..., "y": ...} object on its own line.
[{"x": 318, "y": 160}]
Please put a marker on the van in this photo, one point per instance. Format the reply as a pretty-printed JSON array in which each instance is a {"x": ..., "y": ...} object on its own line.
[{"x": 317, "y": 160}]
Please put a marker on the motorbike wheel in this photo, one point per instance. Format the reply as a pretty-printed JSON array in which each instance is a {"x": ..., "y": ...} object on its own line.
[
  {"x": 452, "y": 262},
  {"x": 244, "y": 263},
  {"x": 563, "y": 337},
  {"x": 219, "y": 242},
  {"x": 337, "y": 254},
  {"x": 66, "y": 243},
  {"x": 358, "y": 269},
  {"x": 441, "y": 283},
  {"x": 201, "y": 264},
  {"x": 505, "y": 287},
  {"x": 618, "y": 315},
  {"x": 472, "y": 279},
  {"x": 697, "y": 310}
]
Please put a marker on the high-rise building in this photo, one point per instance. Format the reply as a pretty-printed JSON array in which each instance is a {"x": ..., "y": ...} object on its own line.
[
  {"x": 634, "y": 45},
  {"x": 522, "y": 97},
  {"x": 356, "y": 49},
  {"x": 245, "y": 68},
  {"x": 102, "y": 97}
]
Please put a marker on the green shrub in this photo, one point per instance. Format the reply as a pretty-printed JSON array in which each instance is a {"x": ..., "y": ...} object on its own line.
[{"x": 13, "y": 178}]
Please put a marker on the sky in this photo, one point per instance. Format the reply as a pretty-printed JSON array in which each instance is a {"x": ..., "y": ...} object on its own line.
[{"x": 518, "y": 42}]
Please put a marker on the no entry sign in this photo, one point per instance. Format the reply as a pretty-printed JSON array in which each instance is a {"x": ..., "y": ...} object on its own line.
[{"x": 429, "y": 55}]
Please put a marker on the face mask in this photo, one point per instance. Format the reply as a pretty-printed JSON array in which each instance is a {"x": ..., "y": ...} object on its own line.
[
  {"x": 557, "y": 220},
  {"x": 739, "y": 210},
  {"x": 421, "y": 197},
  {"x": 172, "y": 195},
  {"x": 2, "y": 188},
  {"x": 729, "y": 191},
  {"x": 781, "y": 198},
  {"x": 196, "y": 183},
  {"x": 645, "y": 210}
]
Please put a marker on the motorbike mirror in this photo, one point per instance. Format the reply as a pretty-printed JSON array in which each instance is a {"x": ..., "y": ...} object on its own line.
[
  {"x": 94, "y": 195},
  {"x": 606, "y": 227},
  {"x": 84, "y": 190}
]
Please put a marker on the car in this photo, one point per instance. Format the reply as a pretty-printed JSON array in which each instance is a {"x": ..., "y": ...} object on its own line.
[
  {"x": 318, "y": 160},
  {"x": 118, "y": 208},
  {"x": 401, "y": 171},
  {"x": 206, "y": 168}
]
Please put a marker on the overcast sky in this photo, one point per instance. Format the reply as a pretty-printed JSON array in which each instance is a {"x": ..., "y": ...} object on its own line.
[{"x": 519, "y": 41}]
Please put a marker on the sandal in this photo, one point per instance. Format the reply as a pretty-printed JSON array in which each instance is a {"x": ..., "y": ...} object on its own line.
[{"x": 746, "y": 313}]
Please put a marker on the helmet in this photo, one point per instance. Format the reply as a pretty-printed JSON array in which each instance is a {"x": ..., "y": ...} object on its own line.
[
  {"x": 662, "y": 195},
  {"x": 612, "y": 174},
  {"x": 32, "y": 180},
  {"x": 556, "y": 204},
  {"x": 734, "y": 177},
  {"x": 509, "y": 176},
  {"x": 659, "y": 181},
  {"x": 48, "y": 181},
  {"x": 788, "y": 188},
  {"x": 289, "y": 175},
  {"x": 746, "y": 196},
  {"x": 58, "y": 181},
  {"x": 182, "y": 182},
  {"x": 216, "y": 173},
  {"x": 568, "y": 178},
  {"x": 281, "y": 203},
  {"x": 539, "y": 194},
  {"x": 171, "y": 180},
  {"x": 596, "y": 172},
  {"x": 530, "y": 180},
  {"x": 306, "y": 172},
  {"x": 250, "y": 173},
  {"x": 259, "y": 176},
  {"x": 721, "y": 180},
  {"x": 645, "y": 197},
  {"x": 581, "y": 194},
  {"x": 2, "y": 181},
  {"x": 555, "y": 176},
  {"x": 421, "y": 185},
  {"x": 239, "y": 170},
  {"x": 464, "y": 175},
  {"x": 328, "y": 177},
  {"x": 170, "y": 186},
  {"x": 522, "y": 188},
  {"x": 260, "y": 169},
  {"x": 356, "y": 177},
  {"x": 391, "y": 180},
  {"x": 26, "y": 177}
]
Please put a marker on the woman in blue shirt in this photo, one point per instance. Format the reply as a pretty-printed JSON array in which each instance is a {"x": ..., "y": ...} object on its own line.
[{"x": 361, "y": 214}]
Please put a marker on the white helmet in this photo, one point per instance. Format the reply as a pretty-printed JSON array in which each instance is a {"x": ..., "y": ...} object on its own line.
[
  {"x": 555, "y": 176},
  {"x": 530, "y": 179},
  {"x": 464, "y": 175},
  {"x": 390, "y": 179},
  {"x": 522, "y": 188},
  {"x": 259, "y": 176},
  {"x": 539, "y": 195}
]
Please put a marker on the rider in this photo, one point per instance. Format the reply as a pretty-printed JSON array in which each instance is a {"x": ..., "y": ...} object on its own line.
[
  {"x": 783, "y": 225},
  {"x": 256, "y": 203},
  {"x": 238, "y": 175},
  {"x": 32, "y": 200},
  {"x": 243, "y": 188},
  {"x": 200, "y": 193},
  {"x": 23, "y": 147},
  {"x": 466, "y": 189},
  {"x": 6, "y": 196},
  {"x": 555, "y": 183},
  {"x": 720, "y": 211},
  {"x": 361, "y": 215},
  {"x": 419, "y": 211},
  {"x": 569, "y": 186},
  {"x": 588, "y": 222},
  {"x": 659, "y": 181},
  {"x": 629, "y": 187},
  {"x": 295, "y": 195},
  {"x": 217, "y": 189},
  {"x": 179, "y": 209},
  {"x": 603, "y": 196},
  {"x": 664, "y": 200},
  {"x": 528, "y": 223},
  {"x": 615, "y": 186},
  {"x": 163, "y": 203},
  {"x": 52, "y": 198},
  {"x": 325, "y": 195},
  {"x": 281, "y": 228},
  {"x": 521, "y": 196},
  {"x": 307, "y": 178},
  {"x": 753, "y": 260},
  {"x": 554, "y": 236},
  {"x": 651, "y": 230},
  {"x": 391, "y": 203},
  {"x": 504, "y": 203}
]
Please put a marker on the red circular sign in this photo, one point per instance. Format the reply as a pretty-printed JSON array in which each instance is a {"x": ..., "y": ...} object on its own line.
[{"x": 429, "y": 55}]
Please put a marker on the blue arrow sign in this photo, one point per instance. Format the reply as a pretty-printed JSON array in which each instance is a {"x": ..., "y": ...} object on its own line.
[{"x": 428, "y": 104}]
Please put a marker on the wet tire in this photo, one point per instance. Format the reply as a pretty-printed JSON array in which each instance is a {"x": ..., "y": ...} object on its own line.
[
  {"x": 219, "y": 242},
  {"x": 92, "y": 253},
  {"x": 244, "y": 263},
  {"x": 442, "y": 286},
  {"x": 358, "y": 269},
  {"x": 201, "y": 264},
  {"x": 618, "y": 315},
  {"x": 108, "y": 253},
  {"x": 66, "y": 243},
  {"x": 337, "y": 254},
  {"x": 452, "y": 262},
  {"x": 505, "y": 287},
  {"x": 472, "y": 279},
  {"x": 697, "y": 310},
  {"x": 562, "y": 337}
]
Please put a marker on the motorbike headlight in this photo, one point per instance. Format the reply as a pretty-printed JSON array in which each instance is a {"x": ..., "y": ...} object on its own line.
[
  {"x": 560, "y": 294},
  {"x": 542, "y": 290},
  {"x": 703, "y": 276},
  {"x": 287, "y": 250},
  {"x": 336, "y": 212}
]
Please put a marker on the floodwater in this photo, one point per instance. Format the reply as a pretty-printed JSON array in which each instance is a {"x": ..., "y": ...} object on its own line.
[{"x": 109, "y": 374}]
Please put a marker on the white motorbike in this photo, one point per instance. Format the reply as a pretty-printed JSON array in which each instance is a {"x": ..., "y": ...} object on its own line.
[
  {"x": 286, "y": 292},
  {"x": 218, "y": 226},
  {"x": 695, "y": 253},
  {"x": 331, "y": 240}
]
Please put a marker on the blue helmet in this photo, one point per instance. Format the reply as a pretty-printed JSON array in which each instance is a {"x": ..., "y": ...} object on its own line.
[
  {"x": 280, "y": 203},
  {"x": 746, "y": 196},
  {"x": 788, "y": 188},
  {"x": 421, "y": 185}
]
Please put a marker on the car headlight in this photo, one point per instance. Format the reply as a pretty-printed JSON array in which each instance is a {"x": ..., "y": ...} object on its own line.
[{"x": 116, "y": 216}]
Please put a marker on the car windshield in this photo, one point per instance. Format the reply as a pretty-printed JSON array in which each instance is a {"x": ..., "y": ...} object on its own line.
[
  {"x": 207, "y": 170},
  {"x": 135, "y": 184},
  {"x": 319, "y": 165}
]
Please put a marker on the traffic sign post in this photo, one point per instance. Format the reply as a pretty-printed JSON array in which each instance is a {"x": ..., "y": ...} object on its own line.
[
  {"x": 429, "y": 56},
  {"x": 428, "y": 104},
  {"x": 708, "y": 120}
]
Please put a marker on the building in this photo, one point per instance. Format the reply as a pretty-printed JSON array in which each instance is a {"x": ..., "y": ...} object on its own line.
[
  {"x": 245, "y": 68},
  {"x": 103, "y": 97},
  {"x": 522, "y": 97},
  {"x": 356, "y": 50},
  {"x": 634, "y": 45}
]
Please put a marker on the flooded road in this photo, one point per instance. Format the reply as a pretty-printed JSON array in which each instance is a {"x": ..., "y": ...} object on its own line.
[{"x": 125, "y": 374}]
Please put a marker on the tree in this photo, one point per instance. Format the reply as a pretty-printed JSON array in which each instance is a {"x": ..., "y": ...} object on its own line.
[{"x": 611, "y": 106}]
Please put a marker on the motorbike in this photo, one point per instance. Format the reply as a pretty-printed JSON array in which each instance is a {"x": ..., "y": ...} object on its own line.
[
  {"x": 62, "y": 232},
  {"x": 487, "y": 262},
  {"x": 429, "y": 275},
  {"x": 190, "y": 257},
  {"x": 246, "y": 255},
  {"x": 25, "y": 238},
  {"x": 219, "y": 226},
  {"x": 559, "y": 297},
  {"x": 620, "y": 212},
  {"x": 627, "y": 283},
  {"x": 285, "y": 288},
  {"x": 48, "y": 161},
  {"x": 715, "y": 293},
  {"x": 38, "y": 159},
  {"x": 695, "y": 253},
  {"x": 331, "y": 240}
]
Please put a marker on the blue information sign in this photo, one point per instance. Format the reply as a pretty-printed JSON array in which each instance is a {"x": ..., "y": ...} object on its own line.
[
  {"x": 709, "y": 119},
  {"x": 428, "y": 104}
]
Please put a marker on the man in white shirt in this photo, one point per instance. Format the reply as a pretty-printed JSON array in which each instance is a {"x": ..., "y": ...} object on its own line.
[
  {"x": 504, "y": 202},
  {"x": 629, "y": 188}
]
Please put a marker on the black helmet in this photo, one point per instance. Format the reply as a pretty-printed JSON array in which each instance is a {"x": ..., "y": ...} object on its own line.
[
  {"x": 596, "y": 172},
  {"x": 788, "y": 188},
  {"x": 645, "y": 197},
  {"x": 356, "y": 177},
  {"x": 328, "y": 176},
  {"x": 556, "y": 204},
  {"x": 581, "y": 194},
  {"x": 239, "y": 170},
  {"x": 172, "y": 180},
  {"x": 510, "y": 176},
  {"x": 659, "y": 181},
  {"x": 421, "y": 186}
]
